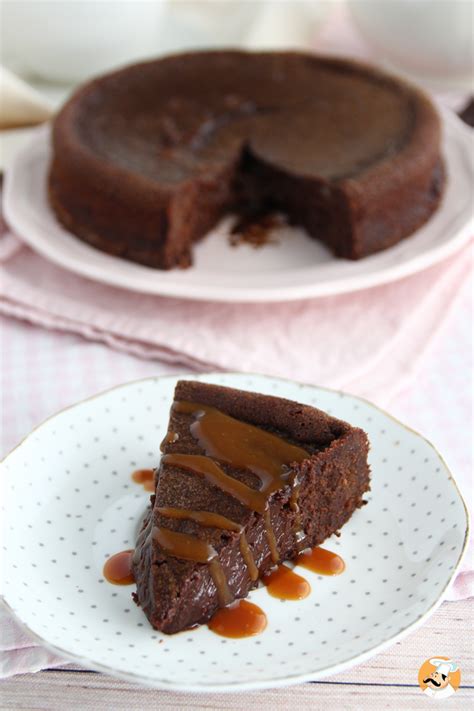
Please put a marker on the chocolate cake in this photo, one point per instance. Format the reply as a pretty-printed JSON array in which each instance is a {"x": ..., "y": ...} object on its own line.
[
  {"x": 146, "y": 160},
  {"x": 245, "y": 480}
]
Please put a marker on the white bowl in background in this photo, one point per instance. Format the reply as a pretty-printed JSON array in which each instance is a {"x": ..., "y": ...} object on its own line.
[
  {"x": 430, "y": 40},
  {"x": 69, "y": 41}
]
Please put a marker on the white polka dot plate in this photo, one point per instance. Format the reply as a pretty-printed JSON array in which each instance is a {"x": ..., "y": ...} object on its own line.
[{"x": 70, "y": 502}]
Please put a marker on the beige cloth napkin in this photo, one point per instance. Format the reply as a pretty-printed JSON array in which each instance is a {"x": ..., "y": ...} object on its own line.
[{"x": 20, "y": 104}]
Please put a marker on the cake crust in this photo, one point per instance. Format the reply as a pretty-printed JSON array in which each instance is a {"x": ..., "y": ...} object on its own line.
[
  {"x": 146, "y": 160},
  {"x": 176, "y": 594}
]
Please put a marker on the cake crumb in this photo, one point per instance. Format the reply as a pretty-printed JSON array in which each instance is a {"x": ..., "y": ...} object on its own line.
[{"x": 256, "y": 230}]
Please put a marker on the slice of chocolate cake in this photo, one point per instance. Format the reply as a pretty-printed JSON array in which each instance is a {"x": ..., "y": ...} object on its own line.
[{"x": 245, "y": 480}]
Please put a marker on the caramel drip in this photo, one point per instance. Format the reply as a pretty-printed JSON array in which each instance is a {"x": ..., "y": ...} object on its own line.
[
  {"x": 248, "y": 557},
  {"x": 295, "y": 492},
  {"x": 118, "y": 568},
  {"x": 180, "y": 545},
  {"x": 224, "y": 595},
  {"x": 294, "y": 506},
  {"x": 284, "y": 584},
  {"x": 244, "y": 619},
  {"x": 212, "y": 472},
  {"x": 271, "y": 536},
  {"x": 243, "y": 445},
  {"x": 213, "y": 520},
  {"x": 205, "y": 518},
  {"x": 321, "y": 561},
  {"x": 248, "y": 447}
]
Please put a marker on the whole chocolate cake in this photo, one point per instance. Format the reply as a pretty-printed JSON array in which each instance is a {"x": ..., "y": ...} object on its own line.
[
  {"x": 245, "y": 480},
  {"x": 146, "y": 160}
]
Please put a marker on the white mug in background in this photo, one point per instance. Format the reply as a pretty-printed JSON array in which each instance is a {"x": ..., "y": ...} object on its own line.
[{"x": 429, "y": 40}]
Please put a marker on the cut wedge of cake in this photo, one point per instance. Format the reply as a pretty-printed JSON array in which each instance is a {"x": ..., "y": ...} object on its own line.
[{"x": 246, "y": 480}]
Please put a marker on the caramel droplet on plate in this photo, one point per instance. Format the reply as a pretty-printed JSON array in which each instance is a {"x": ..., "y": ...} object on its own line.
[
  {"x": 321, "y": 561},
  {"x": 145, "y": 477},
  {"x": 284, "y": 584},
  {"x": 243, "y": 619},
  {"x": 118, "y": 568}
]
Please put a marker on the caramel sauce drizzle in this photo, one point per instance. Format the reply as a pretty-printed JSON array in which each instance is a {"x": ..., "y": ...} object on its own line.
[
  {"x": 212, "y": 472},
  {"x": 224, "y": 595},
  {"x": 294, "y": 506},
  {"x": 207, "y": 518},
  {"x": 181, "y": 545},
  {"x": 271, "y": 536},
  {"x": 248, "y": 557},
  {"x": 285, "y": 584},
  {"x": 244, "y": 446}
]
